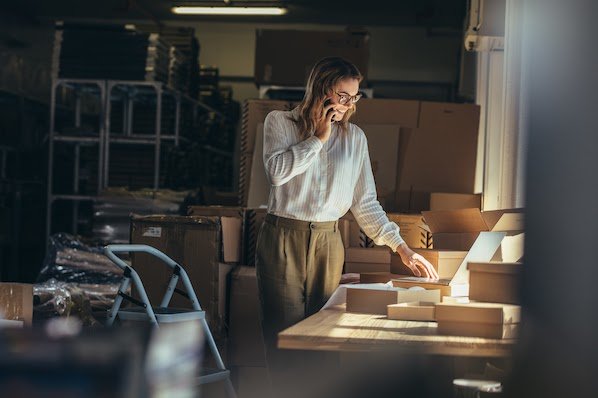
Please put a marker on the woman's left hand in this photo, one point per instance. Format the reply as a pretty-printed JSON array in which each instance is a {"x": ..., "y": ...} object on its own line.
[{"x": 416, "y": 262}]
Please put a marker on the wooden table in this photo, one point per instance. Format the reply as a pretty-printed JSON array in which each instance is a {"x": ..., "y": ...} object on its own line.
[{"x": 336, "y": 330}]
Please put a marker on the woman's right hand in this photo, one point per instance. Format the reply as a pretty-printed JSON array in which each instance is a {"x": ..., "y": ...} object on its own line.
[{"x": 324, "y": 126}]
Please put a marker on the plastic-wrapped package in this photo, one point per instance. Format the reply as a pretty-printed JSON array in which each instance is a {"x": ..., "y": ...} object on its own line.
[
  {"x": 53, "y": 298},
  {"x": 76, "y": 280},
  {"x": 70, "y": 260}
]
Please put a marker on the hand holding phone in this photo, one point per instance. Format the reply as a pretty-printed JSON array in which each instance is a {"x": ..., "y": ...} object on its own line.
[{"x": 324, "y": 127}]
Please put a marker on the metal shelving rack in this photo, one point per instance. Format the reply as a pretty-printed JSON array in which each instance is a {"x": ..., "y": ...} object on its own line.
[{"x": 107, "y": 91}]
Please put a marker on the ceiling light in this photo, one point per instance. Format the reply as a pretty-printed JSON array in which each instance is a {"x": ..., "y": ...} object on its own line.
[{"x": 229, "y": 10}]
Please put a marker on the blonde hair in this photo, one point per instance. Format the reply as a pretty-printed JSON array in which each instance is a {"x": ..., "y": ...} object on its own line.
[{"x": 323, "y": 77}]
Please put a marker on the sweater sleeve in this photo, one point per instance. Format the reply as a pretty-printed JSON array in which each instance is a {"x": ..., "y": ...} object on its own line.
[
  {"x": 366, "y": 208},
  {"x": 284, "y": 159}
]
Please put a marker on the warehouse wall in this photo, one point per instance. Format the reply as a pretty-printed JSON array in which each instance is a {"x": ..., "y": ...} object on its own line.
[{"x": 397, "y": 54}]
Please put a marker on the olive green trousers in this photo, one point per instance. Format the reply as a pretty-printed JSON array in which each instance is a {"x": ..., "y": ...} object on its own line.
[{"x": 298, "y": 265}]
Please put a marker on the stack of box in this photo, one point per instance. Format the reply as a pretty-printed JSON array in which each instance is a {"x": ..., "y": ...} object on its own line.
[
  {"x": 367, "y": 259},
  {"x": 376, "y": 299},
  {"x": 207, "y": 247}
]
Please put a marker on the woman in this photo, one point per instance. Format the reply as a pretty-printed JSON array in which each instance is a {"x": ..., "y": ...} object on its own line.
[{"x": 319, "y": 168}]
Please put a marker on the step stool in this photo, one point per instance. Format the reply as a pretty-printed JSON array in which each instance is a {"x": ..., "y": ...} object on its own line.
[{"x": 164, "y": 314}]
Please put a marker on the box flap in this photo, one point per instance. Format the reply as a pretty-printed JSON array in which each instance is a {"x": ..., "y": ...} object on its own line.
[
  {"x": 509, "y": 222},
  {"x": 492, "y": 217},
  {"x": 460, "y": 220}
]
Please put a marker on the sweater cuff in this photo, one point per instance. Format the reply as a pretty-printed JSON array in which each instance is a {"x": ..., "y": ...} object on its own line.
[
  {"x": 395, "y": 242},
  {"x": 314, "y": 143}
]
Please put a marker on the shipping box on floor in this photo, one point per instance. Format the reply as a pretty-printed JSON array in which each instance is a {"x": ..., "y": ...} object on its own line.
[
  {"x": 375, "y": 300},
  {"x": 198, "y": 244},
  {"x": 446, "y": 262},
  {"x": 412, "y": 311},
  {"x": 16, "y": 302},
  {"x": 232, "y": 220},
  {"x": 458, "y": 229},
  {"x": 489, "y": 320},
  {"x": 246, "y": 344},
  {"x": 285, "y": 57},
  {"x": 482, "y": 250},
  {"x": 495, "y": 282},
  {"x": 454, "y": 201}
]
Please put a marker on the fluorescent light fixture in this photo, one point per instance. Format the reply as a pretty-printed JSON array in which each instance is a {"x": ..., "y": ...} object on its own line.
[{"x": 229, "y": 10}]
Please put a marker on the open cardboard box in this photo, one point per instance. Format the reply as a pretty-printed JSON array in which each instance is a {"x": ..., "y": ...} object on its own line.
[
  {"x": 458, "y": 229},
  {"x": 413, "y": 229},
  {"x": 482, "y": 250},
  {"x": 446, "y": 262},
  {"x": 375, "y": 300},
  {"x": 495, "y": 282},
  {"x": 489, "y": 320},
  {"x": 412, "y": 311}
]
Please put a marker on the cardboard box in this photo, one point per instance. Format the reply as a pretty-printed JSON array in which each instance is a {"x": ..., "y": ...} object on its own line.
[
  {"x": 383, "y": 146},
  {"x": 494, "y": 282},
  {"x": 233, "y": 226},
  {"x": 404, "y": 113},
  {"x": 458, "y": 229},
  {"x": 454, "y": 201},
  {"x": 376, "y": 300},
  {"x": 285, "y": 57},
  {"x": 444, "y": 285},
  {"x": 414, "y": 230},
  {"x": 446, "y": 262},
  {"x": 447, "y": 137},
  {"x": 377, "y": 277},
  {"x": 366, "y": 267},
  {"x": 412, "y": 311},
  {"x": 254, "y": 220},
  {"x": 195, "y": 242},
  {"x": 16, "y": 302},
  {"x": 246, "y": 343},
  {"x": 352, "y": 235},
  {"x": 379, "y": 254},
  {"x": 488, "y": 320},
  {"x": 482, "y": 250},
  {"x": 254, "y": 114}
]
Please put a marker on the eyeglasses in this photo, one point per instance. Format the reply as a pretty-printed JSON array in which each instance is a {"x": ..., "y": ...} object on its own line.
[{"x": 344, "y": 99}]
